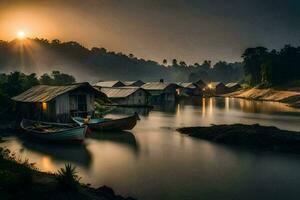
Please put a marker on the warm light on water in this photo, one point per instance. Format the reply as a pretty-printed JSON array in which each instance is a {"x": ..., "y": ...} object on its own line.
[{"x": 155, "y": 162}]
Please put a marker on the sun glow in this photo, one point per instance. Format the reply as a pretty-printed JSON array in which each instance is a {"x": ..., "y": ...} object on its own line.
[{"x": 21, "y": 34}]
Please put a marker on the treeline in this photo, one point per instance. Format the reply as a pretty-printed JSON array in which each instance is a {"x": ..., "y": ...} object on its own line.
[
  {"x": 221, "y": 71},
  {"x": 272, "y": 68},
  {"x": 40, "y": 55},
  {"x": 17, "y": 82}
]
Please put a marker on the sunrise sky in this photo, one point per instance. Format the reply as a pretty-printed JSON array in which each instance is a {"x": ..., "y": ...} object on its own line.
[{"x": 157, "y": 29}]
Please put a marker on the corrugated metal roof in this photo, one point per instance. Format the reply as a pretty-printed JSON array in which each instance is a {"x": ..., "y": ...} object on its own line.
[
  {"x": 156, "y": 85},
  {"x": 45, "y": 93},
  {"x": 214, "y": 84},
  {"x": 232, "y": 85},
  {"x": 201, "y": 83},
  {"x": 129, "y": 83},
  {"x": 187, "y": 85},
  {"x": 119, "y": 92},
  {"x": 108, "y": 83}
]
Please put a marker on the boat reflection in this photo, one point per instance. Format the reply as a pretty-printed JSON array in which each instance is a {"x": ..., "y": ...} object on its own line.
[
  {"x": 121, "y": 137},
  {"x": 74, "y": 153}
]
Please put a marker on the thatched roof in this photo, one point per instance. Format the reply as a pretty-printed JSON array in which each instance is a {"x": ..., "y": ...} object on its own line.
[
  {"x": 120, "y": 92},
  {"x": 46, "y": 93}
]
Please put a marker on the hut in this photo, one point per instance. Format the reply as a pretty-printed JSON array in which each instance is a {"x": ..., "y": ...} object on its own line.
[
  {"x": 57, "y": 103},
  {"x": 161, "y": 92},
  {"x": 137, "y": 83},
  {"x": 217, "y": 88},
  {"x": 201, "y": 84},
  {"x": 127, "y": 96},
  {"x": 232, "y": 87},
  {"x": 109, "y": 84},
  {"x": 189, "y": 89}
]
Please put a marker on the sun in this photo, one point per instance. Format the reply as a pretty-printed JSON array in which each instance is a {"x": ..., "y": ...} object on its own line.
[{"x": 21, "y": 34}]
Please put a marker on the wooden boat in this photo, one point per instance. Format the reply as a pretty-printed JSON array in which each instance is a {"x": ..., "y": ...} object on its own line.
[
  {"x": 53, "y": 131},
  {"x": 104, "y": 124}
]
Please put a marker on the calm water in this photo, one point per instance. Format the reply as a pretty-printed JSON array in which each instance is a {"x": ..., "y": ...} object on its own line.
[{"x": 155, "y": 162}]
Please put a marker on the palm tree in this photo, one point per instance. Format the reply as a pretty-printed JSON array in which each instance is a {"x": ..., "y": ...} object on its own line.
[
  {"x": 165, "y": 62},
  {"x": 174, "y": 62}
]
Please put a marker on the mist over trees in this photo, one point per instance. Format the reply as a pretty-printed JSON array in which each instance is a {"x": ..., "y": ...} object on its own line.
[
  {"x": 42, "y": 56},
  {"x": 272, "y": 68}
]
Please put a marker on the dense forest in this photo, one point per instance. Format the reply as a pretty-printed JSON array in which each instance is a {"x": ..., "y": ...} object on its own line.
[
  {"x": 40, "y": 56},
  {"x": 272, "y": 68}
]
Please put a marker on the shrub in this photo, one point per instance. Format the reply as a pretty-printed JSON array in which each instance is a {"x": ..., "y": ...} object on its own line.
[{"x": 67, "y": 177}]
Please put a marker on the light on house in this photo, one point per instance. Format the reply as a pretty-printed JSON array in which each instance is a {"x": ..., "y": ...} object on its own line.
[{"x": 44, "y": 106}]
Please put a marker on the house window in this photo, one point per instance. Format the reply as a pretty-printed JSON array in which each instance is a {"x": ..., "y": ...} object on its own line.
[{"x": 44, "y": 106}]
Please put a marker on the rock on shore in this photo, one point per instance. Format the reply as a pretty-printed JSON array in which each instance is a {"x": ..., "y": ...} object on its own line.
[{"x": 254, "y": 136}]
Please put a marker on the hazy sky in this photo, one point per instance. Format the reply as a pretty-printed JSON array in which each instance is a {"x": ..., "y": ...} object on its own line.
[{"x": 190, "y": 30}]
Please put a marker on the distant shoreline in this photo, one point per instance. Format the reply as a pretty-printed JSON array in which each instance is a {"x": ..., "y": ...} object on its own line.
[
  {"x": 290, "y": 97},
  {"x": 254, "y": 136}
]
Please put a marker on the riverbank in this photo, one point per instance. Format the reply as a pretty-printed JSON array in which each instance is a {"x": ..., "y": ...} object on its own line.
[
  {"x": 250, "y": 136},
  {"x": 21, "y": 180},
  {"x": 290, "y": 97}
]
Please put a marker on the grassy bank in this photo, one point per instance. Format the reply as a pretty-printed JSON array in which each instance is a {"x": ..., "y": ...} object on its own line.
[
  {"x": 289, "y": 96},
  {"x": 21, "y": 180},
  {"x": 249, "y": 136}
]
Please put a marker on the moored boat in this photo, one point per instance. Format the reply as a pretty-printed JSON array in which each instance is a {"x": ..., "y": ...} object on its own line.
[
  {"x": 104, "y": 124},
  {"x": 54, "y": 131}
]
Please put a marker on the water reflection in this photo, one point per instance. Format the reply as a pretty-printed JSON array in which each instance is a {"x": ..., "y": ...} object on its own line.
[
  {"x": 169, "y": 107},
  {"x": 75, "y": 153},
  {"x": 121, "y": 137},
  {"x": 262, "y": 107},
  {"x": 176, "y": 166}
]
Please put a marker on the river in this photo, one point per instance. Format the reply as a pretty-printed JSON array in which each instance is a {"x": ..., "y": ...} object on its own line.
[{"x": 154, "y": 162}]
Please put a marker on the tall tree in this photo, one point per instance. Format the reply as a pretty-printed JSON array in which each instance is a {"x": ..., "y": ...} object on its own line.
[
  {"x": 165, "y": 62},
  {"x": 174, "y": 62},
  {"x": 253, "y": 59}
]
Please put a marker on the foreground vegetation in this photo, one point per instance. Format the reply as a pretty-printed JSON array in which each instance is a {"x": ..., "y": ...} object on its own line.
[
  {"x": 249, "y": 136},
  {"x": 21, "y": 180}
]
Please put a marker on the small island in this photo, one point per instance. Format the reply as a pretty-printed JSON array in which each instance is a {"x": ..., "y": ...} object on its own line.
[{"x": 249, "y": 136}]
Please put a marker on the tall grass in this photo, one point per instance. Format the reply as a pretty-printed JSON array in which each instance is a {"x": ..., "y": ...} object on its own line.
[{"x": 15, "y": 171}]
